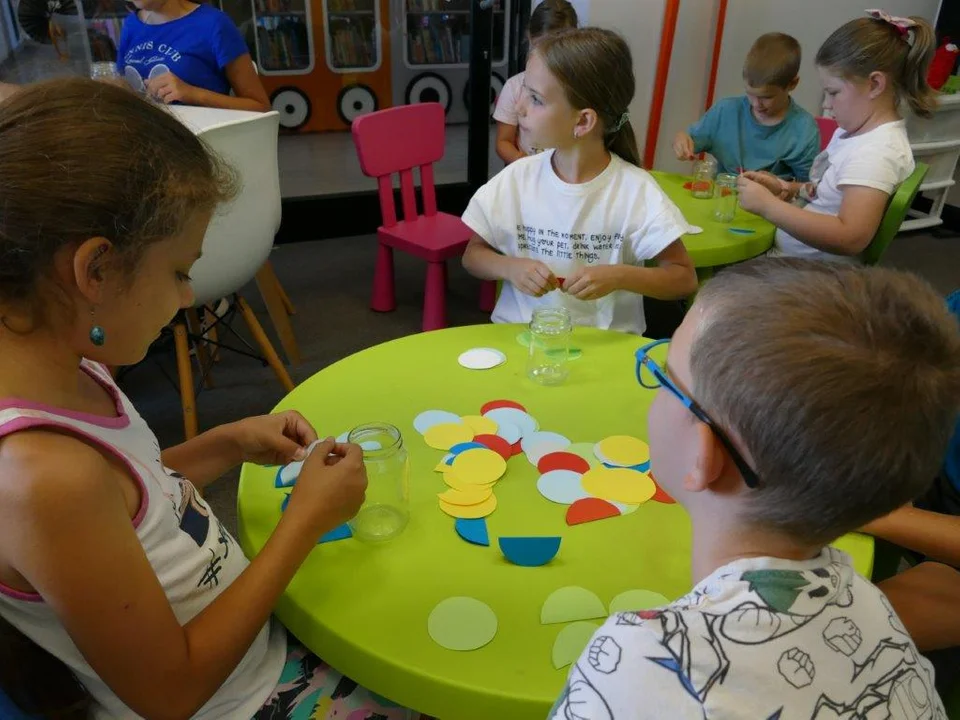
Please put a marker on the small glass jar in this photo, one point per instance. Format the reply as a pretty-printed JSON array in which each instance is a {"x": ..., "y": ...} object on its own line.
[
  {"x": 386, "y": 509},
  {"x": 550, "y": 332},
  {"x": 704, "y": 172},
  {"x": 725, "y": 198},
  {"x": 104, "y": 71}
]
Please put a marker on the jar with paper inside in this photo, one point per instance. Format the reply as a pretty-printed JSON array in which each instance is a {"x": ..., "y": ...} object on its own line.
[{"x": 386, "y": 509}]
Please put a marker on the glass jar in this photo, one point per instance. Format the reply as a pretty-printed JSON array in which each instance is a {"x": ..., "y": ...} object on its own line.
[
  {"x": 704, "y": 172},
  {"x": 104, "y": 71},
  {"x": 550, "y": 332},
  {"x": 386, "y": 509},
  {"x": 725, "y": 198}
]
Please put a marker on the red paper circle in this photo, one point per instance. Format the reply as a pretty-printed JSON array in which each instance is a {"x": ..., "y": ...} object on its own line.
[
  {"x": 494, "y": 404},
  {"x": 497, "y": 444},
  {"x": 515, "y": 449},
  {"x": 590, "y": 509},
  {"x": 562, "y": 461},
  {"x": 660, "y": 495}
]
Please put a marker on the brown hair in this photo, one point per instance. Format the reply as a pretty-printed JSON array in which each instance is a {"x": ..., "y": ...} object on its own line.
[
  {"x": 82, "y": 159},
  {"x": 774, "y": 59},
  {"x": 867, "y": 45},
  {"x": 595, "y": 68},
  {"x": 842, "y": 383},
  {"x": 550, "y": 16}
]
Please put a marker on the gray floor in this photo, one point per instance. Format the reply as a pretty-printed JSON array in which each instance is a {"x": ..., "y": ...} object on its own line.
[{"x": 329, "y": 282}]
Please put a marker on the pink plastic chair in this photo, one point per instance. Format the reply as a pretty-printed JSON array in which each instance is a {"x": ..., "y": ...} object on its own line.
[
  {"x": 397, "y": 140},
  {"x": 828, "y": 126}
]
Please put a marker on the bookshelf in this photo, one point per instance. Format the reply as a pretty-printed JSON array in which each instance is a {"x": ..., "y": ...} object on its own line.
[
  {"x": 352, "y": 28},
  {"x": 438, "y": 33},
  {"x": 282, "y": 30}
]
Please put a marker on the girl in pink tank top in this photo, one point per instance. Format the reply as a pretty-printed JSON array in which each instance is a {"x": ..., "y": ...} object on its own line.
[{"x": 110, "y": 560}]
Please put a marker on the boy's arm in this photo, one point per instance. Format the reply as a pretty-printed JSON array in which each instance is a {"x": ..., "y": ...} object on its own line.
[
  {"x": 704, "y": 130},
  {"x": 932, "y": 534}
]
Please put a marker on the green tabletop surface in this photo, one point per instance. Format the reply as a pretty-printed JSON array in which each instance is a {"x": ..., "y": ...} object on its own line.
[
  {"x": 364, "y": 608},
  {"x": 717, "y": 244}
]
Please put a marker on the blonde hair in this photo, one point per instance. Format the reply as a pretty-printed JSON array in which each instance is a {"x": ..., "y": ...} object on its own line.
[
  {"x": 595, "y": 68},
  {"x": 842, "y": 383},
  {"x": 774, "y": 59},
  {"x": 868, "y": 45}
]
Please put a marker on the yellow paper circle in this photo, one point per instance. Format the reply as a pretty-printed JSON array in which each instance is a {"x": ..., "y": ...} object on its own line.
[
  {"x": 470, "y": 495},
  {"x": 470, "y": 512},
  {"x": 445, "y": 435},
  {"x": 480, "y": 425},
  {"x": 624, "y": 450},
  {"x": 479, "y": 466},
  {"x": 619, "y": 485}
]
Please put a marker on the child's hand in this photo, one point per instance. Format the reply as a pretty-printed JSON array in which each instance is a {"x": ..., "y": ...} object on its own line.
[
  {"x": 683, "y": 146},
  {"x": 332, "y": 485},
  {"x": 275, "y": 439},
  {"x": 770, "y": 181},
  {"x": 754, "y": 197},
  {"x": 592, "y": 282},
  {"x": 168, "y": 88},
  {"x": 532, "y": 277}
]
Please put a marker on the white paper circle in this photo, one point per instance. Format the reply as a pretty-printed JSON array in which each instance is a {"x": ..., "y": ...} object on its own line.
[
  {"x": 428, "y": 418},
  {"x": 525, "y": 422},
  {"x": 534, "y": 439},
  {"x": 562, "y": 486},
  {"x": 481, "y": 358},
  {"x": 508, "y": 431}
]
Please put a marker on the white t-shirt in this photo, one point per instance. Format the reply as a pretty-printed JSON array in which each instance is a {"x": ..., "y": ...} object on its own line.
[
  {"x": 506, "y": 110},
  {"x": 761, "y": 638},
  {"x": 621, "y": 217},
  {"x": 879, "y": 159}
]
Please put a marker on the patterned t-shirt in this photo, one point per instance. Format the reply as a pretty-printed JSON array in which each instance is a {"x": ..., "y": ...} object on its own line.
[{"x": 761, "y": 638}]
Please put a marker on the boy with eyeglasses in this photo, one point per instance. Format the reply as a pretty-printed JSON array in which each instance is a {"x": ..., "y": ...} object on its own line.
[{"x": 797, "y": 402}]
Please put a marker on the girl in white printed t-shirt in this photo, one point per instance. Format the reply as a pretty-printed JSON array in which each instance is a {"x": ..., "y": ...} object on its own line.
[
  {"x": 866, "y": 67},
  {"x": 575, "y": 227},
  {"x": 549, "y": 16}
]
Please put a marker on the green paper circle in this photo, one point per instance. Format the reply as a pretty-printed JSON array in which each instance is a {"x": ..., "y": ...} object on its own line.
[{"x": 462, "y": 623}]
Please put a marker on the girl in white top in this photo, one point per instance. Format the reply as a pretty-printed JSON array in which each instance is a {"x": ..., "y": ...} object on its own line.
[
  {"x": 549, "y": 16},
  {"x": 581, "y": 226},
  {"x": 110, "y": 560},
  {"x": 866, "y": 67}
]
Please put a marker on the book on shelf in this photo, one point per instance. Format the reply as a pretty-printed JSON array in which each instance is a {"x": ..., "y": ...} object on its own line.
[
  {"x": 282, "y": 43},
  {"x": 438, "y": 45}
]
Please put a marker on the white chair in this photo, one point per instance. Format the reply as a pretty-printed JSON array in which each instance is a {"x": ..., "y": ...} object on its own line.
[{"x": 239, "y": 239}]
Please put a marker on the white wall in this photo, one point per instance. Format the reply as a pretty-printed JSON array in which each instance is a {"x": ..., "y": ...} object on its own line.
[{"x": 640, "y": 21}]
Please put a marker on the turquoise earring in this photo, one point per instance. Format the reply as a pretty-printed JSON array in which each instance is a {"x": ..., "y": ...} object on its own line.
[{"x": 97, "y": 336}]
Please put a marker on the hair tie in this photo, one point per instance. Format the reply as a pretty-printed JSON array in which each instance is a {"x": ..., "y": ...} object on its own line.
[
  {"x": 620, "y": 123},
  {"x": 902, "y": 24}
]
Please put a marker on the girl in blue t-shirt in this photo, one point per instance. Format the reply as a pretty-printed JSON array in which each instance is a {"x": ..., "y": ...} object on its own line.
[{"x": 179, "y": 51}]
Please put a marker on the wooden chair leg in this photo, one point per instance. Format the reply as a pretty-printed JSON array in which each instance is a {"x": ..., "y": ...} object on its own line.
[
  {"x": 185, "y": 373},
  {"x": 273, "y": 298},
  {"x": 266, "y": 347},
  {"x": 203, "y": 354}
]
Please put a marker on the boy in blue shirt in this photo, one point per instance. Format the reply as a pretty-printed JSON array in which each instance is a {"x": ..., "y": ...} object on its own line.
[{"x": 763, "y": 129}]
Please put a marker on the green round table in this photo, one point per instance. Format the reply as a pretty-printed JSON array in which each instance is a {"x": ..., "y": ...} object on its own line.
[
  {"x": 717, "y": 245},
  {"x": 364, "y": 608}
]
